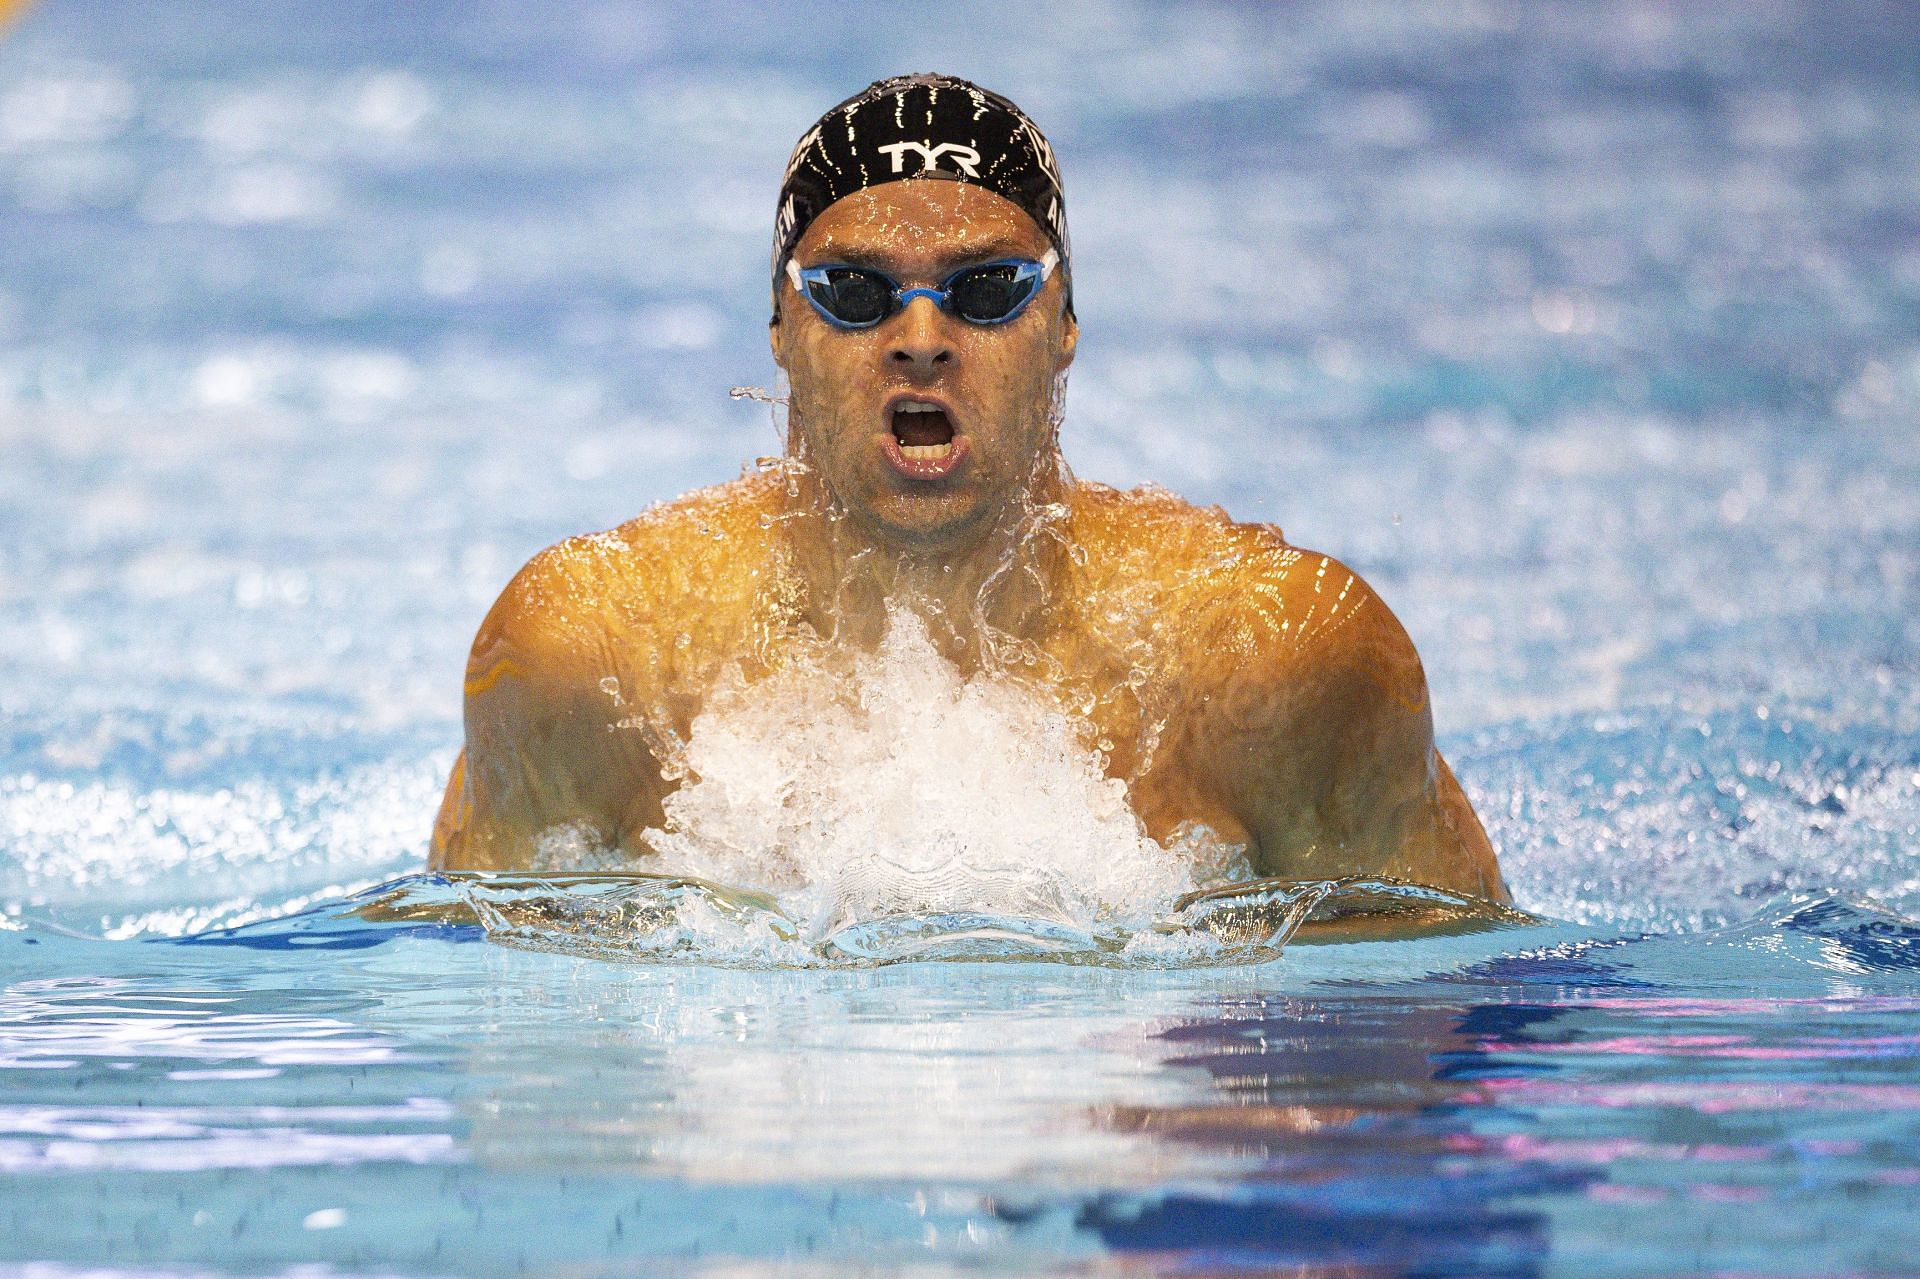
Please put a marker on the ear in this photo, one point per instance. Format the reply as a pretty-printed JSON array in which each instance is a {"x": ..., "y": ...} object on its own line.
[
  {"x": 776, "y": 341},
  {"x": 1069, "y": 342}
]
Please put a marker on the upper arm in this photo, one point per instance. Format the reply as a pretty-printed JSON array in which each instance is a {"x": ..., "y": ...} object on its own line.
[
  {"x": 1324, "y": 734},
  {"x": 544, "y": 713}
]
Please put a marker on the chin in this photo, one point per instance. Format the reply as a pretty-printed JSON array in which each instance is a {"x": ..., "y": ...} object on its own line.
[{"x": 927, "y": 522}]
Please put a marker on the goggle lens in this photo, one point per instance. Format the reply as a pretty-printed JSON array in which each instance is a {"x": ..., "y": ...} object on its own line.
[
  {"x": 852, "y": 296},
  {"x": 989, "y": 294}
]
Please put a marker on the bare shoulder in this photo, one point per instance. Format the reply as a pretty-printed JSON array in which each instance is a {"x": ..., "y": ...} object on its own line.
[
  {"x": 1289, "y": 611},
  {"x": 1300, "y": 648},
  {"x": 692, "y": 561},
  {"x": 1245, "y": 593},
  {"x": 1151, "y": 533}
]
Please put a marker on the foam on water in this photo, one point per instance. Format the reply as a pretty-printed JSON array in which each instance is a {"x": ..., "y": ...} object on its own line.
[
  {"x": 125, "y": 854},
  {"x": 893, "y": 784}
]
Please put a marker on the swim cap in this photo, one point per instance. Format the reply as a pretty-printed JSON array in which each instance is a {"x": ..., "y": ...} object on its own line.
[{"x": 921, "y": 126}]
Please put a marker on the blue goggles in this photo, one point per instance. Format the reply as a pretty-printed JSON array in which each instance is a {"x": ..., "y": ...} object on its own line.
[{"x": 857, "y": 297}]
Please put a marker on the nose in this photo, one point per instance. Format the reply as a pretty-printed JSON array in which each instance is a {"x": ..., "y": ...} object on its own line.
[{"x": 920, "y": 344}]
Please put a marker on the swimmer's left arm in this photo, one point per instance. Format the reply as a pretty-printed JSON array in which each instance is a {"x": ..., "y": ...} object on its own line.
[{"x": 1325, "y": 737}]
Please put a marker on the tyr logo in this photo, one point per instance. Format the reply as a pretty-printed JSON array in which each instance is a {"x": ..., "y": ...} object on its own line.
[{"x": 965, "y": 158}]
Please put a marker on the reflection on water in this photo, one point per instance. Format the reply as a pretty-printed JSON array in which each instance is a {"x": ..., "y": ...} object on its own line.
[
  {"x": 54, "y": 1021},
  {"x": 1269, "y": 1132},
  {"x": 1509, "y": 1102},
  {"x": 1351, "y": 1126},
  {"x": 850, "y": 1079},
  {"x": 125, "y": 1043}
]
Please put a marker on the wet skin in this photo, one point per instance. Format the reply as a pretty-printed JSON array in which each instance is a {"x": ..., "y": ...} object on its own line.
[{"x": 1234, "y": 681}]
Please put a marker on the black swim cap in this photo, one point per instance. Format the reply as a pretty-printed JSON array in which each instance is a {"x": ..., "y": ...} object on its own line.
[{"x": 921, "y": 126}]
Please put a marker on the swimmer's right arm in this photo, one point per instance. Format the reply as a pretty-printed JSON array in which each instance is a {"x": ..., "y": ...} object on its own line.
[{"x": 542, "y": 755}]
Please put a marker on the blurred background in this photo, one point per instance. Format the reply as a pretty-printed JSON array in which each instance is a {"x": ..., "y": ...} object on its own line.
[{"x": 1587, "y": 332}]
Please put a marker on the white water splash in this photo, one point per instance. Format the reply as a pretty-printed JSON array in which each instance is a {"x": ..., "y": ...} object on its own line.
[{"x": 895, "y": 786}]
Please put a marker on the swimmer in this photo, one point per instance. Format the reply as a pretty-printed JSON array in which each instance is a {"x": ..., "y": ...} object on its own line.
[{"x": 1240, "y": 686}]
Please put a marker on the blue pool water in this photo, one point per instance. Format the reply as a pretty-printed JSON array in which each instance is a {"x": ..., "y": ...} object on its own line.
[{"x": 1586, "y": 333}]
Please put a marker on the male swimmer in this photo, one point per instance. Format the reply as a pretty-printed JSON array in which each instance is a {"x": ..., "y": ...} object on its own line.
[{"x": 923, "y": 316}]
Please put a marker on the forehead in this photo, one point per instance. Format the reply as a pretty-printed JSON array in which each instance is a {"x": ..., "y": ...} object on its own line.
[{"x": 921, "y": 220}]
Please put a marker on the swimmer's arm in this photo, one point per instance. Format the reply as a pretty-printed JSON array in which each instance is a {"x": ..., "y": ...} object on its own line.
[
  {"x": 1327, "y": 736},
  {"x": 544, "y": 755}
]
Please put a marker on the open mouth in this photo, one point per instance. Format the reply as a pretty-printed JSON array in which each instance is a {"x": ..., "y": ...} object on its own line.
[
  {"x": 921, "y": 443},
  {"x": 922, "y": 430}
]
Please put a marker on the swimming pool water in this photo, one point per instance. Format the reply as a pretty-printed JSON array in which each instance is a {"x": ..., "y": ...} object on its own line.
[{"x": 1586, "y": 334}]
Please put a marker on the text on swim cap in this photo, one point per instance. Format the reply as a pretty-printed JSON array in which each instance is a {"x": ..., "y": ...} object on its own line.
[{"x": 965, "y": 158}]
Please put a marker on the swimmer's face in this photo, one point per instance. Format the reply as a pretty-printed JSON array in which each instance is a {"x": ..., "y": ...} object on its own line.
[{"x": 924, "y": 480}]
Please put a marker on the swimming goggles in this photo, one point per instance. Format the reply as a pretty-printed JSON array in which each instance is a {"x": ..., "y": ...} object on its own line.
[{"x": 857, "y": 297}]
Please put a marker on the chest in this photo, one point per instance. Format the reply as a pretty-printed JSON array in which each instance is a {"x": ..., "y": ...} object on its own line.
[{"x": 1136, "y": 669}]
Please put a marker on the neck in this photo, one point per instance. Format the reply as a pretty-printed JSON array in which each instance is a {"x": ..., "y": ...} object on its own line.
[{"x": 978, "y": 593}]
